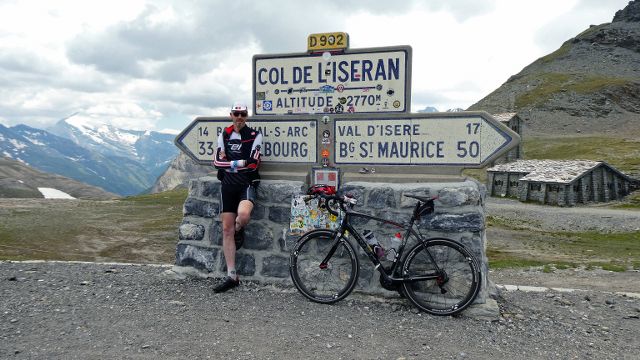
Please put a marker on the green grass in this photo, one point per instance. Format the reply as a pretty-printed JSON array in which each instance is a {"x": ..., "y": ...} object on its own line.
[
  {"x": 139, "y": 229},
  {"x": 511, "y": 224},
  {"x": 553, "y": 83},
  {"x": 613, "y": 267},
  {"x": 503, "y": 260},
  {"x": 566, "y": 47},
  {"x": 562, "y": 51},
  {"x": 614, "y": 252},
  {"x": 623, "y": 154}
]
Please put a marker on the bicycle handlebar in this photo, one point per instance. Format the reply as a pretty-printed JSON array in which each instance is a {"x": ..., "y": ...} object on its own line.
[{"x": 344, "y": 201}]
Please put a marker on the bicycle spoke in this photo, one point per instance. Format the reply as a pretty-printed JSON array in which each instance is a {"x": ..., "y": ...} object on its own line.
[
  {"x": 324, "y": 282},
  {"x": 457, "y": 280}
]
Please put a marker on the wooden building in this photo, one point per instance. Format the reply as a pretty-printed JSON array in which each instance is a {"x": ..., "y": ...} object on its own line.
[{"x": 559, "y": 182}]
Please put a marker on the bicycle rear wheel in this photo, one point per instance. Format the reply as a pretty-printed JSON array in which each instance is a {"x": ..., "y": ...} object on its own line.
[
  {"x": 446, "y": 276},
  {"x": 323, "y": 282}
]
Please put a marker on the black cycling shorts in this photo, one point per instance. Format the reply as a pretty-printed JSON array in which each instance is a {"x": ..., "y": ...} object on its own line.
[{"x": 232, "y": 194}]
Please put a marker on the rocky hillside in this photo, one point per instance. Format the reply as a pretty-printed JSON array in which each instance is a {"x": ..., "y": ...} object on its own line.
[
  {"x": 180, "y": 171},
  {"x": 590, "y": 85},
  {"x": 18, "y": 180}
]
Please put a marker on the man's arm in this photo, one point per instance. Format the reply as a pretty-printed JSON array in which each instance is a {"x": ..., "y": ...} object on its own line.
[
  {"x": 220, "y": 161},
  {"x": 254, "y": 160}
]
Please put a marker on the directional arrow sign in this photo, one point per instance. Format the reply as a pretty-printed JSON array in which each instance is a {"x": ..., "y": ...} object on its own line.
[
  {"x": 401, "y": 147},
  {"x": 291, "y": 140},
  {"x": 465, "y": 139}
]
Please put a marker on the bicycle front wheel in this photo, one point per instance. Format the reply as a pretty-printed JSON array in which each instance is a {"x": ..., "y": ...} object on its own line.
[
  {"x": 323, "y": 269},
  {"x": 445, "y": 276}
]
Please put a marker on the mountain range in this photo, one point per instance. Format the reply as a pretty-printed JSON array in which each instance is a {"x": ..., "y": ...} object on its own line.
[
  {"x": 589, "y": 86},
  {"x": 124, "y": 162},
  {"x": 18, "y": 180}
]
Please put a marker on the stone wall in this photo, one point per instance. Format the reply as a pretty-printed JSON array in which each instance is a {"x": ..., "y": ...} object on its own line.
[{"x": 459, "y": 215}]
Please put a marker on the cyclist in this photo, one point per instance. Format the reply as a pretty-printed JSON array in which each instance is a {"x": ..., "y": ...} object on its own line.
[{"x": 237, "y": 160}]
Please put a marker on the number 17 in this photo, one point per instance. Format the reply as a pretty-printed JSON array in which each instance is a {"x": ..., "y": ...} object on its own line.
[{"x": 474, "y": 126}]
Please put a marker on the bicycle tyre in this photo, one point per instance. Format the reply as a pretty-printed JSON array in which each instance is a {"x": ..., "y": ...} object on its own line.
[
  {"x": 461, "y": 271},
  {"x": 329, "y": 284}
]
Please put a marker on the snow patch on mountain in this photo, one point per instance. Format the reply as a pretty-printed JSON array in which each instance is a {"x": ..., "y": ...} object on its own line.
[
  {"x": 50, "y": 193},
  {"x": 17, "y": 144}
]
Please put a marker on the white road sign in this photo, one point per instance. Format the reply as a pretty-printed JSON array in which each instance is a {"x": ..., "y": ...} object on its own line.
[
  {"x": 465, "y": 140},
  {"x": 376, "y": 80},
  {"x": 284, "y": 141}
]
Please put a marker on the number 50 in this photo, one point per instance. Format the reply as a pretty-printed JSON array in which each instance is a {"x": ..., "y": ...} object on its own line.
[{"x": 472, "y": 149}]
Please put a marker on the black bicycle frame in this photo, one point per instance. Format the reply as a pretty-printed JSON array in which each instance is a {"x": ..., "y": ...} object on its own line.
[{"x": 345, "y": 225}]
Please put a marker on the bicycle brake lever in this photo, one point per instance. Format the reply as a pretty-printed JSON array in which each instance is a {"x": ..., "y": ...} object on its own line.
[{"x": 350, "y": 200}]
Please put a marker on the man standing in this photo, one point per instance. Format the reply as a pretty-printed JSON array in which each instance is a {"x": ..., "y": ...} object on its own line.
[{"x": 237, "y": 160}]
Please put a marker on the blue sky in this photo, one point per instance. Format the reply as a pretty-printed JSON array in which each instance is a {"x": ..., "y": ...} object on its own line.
[{"x": 156, "y": 65}]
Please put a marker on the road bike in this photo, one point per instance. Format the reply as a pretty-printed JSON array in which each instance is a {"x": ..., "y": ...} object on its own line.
[{"x": 438, "y": 275}]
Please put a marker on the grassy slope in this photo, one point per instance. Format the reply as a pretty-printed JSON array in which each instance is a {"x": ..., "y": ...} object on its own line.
[
  {"x": 590, "y": 249},
  {"x": 143, "y": 229},
  {"x": 135, "y": 229},
  {"x": 612, "y": 251}
]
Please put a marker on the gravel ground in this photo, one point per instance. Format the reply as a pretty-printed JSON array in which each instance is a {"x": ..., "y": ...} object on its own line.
[{"x": 85, "y": 311}]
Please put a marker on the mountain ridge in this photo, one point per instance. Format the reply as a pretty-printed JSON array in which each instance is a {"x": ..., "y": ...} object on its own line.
[
  {"x": 590, "y": 85},
  {"x": 18, "y": 180},
  {"x": 93, "y": 157}
]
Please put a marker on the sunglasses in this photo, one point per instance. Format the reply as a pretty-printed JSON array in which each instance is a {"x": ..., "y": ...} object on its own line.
[{"x": 240, "y": 113}]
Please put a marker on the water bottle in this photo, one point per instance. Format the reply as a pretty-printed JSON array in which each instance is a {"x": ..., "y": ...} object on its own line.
[
  {"x": 373, "y": 242},
  {"x": 396, "y": 240}
]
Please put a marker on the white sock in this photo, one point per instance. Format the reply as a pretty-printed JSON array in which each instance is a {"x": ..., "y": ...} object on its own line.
[{"x": 232, "y": 273}]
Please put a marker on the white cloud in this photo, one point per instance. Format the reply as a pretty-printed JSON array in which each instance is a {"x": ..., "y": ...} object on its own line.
[{"x": 154, "y": 65}]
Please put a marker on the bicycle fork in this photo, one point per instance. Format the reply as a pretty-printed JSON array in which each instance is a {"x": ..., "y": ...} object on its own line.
[{"x": 324, "y": 263}]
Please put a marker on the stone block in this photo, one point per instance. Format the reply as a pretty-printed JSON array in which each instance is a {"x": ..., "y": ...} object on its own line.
[
  {"x": 193, "y": 187},
  {"x": 381, "y": 198},
  {"x": 191, "y": 232},
  {"x": 472, "y": 222},
  {"x": 459, "y": 196},
  {"x": 367, "y": 275},
  {"x": 279, "y": 192},
  {"x": 258, "y": 236},
  {"x": 288, "y": 243},
  {"x": 197, "y": 257},
  {"x": 258, "y": 212},
  {"x": 211, "y": 189},
  {"x": 279, "y": 214},
  {"x": 215, "y": 233},
  {"x": 245, "y": 264},
  {"x": 275, "y": 266},
  {"x": 200, "y": 208}
]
